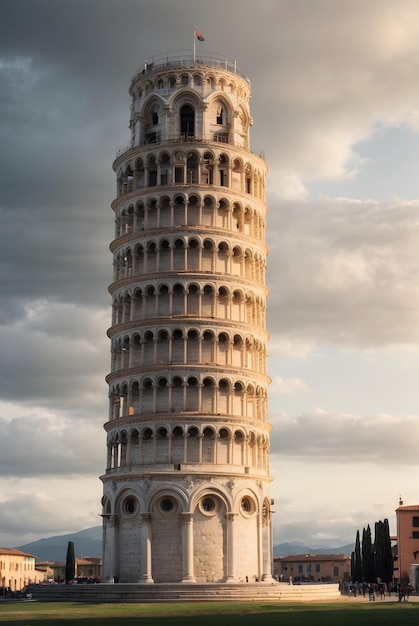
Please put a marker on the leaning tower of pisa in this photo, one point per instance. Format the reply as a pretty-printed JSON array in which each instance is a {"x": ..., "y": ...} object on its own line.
[{"x": 186, "y": 486}]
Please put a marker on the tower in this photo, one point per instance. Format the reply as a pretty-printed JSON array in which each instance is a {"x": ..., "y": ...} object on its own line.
[{"x": 186, "y": 487}]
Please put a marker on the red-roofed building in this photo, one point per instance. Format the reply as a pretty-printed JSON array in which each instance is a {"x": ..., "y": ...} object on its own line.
[
  {"x": 17, "y": 569},
  {"x": 407, "y": 544},
  {"x": 313, "y": 567}
]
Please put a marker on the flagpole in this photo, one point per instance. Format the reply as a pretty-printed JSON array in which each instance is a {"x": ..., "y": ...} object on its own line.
[{"x": 194, "y": 44}]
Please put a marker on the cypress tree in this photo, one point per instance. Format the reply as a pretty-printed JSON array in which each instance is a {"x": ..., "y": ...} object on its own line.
[
  {"x": 383, "y": 556},
  {"x": 377, "y": 550},
  {"x": 70, "y": 563},
  {"x": 356, "y": 561},
  {"x": 387, "y": 553},
  {"x": 367, "y": 556}
]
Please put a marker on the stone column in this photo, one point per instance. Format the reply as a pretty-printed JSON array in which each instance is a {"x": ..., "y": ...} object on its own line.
[
  {"x": 188, "y": 548},
  {"x": 267, "y": 545},
  {"x": 231, "y": 576},
  {"x": 110, "y": 547},
  {"x": 145, "y": 566}
]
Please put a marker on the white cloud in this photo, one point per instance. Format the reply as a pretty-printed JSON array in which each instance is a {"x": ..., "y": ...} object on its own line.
[
  {"x": 281, "y": 385},
  {"x": 30, "y": 510},
  {"x": 342, "y": 76},
  {"x": 319, "y": 436},
  {"x": 344, "y": 272},
  {"x": 285, "y": 184},
  {"x": 291, "y": 347}
]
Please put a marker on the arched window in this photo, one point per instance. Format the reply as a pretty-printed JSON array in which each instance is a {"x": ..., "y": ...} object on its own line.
[{"x": 187, "y": 121}]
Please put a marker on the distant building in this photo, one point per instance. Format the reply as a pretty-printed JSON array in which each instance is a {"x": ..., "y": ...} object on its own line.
[
  {"x": 407, "y": 564},
  {"x": 47, "y": 568},
  {"x": 86, "y": 567},
  {"x": 17, "y": 569},
  {"x": 313, "y": 567}
]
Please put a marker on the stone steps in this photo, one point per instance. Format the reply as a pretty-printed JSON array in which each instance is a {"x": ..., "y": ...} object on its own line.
[{"x": 185, "y": 592}]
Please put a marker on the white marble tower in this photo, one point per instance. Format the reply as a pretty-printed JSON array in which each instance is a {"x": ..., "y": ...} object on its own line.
[{"x": 186, "y": 487}]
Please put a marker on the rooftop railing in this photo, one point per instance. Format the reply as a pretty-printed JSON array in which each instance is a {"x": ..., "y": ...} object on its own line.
[{"x": 188, "y": 59}]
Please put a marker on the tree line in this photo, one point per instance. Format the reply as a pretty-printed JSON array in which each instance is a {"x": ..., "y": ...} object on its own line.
[{"x": 373, "y": 561}]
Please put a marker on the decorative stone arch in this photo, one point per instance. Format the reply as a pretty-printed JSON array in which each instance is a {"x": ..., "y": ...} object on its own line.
[
  {"x": 220, "y": 108},
  {"x": 207, "y": 248},
  {"x": 208, "y": 157},
  {"x": 242, "y": 507},
  {"x": 107, "y": 507},
  {"x": 211, "y": 502},
  {"x": 209, "y": 431},
  {"x": 185, "y": 95},
  {"x": 164, "y": 202},
  {"x": 248, "y": 178},
  {"x": 224, "y": 204},
  {"x": 250, "y": 307},
  {"x": 186, "y": 108},
  {"x": 171, "y": 81},
  {"x": 209, "y": 392},
  {"x": 153, "y": 102},
  {"x": 148, "y": 87},
  {"x": 249, "y": 257},
  {"x": 151, "y": 159},
  {"x": 245, "y": 120},
  {"x": 214, "y": 489},
  {"x": 139, "y": 214},
  {"x": 197, "y": 79},
  {"x": 194, "y": 242},
  {"x": 180, "y": 201},
  {"x": 177, "y": 492},
  {"x": 239, "y": 437},
  {"x": 237, "y": 259},
  {"x": 124, "y": 496},
  {"x": 225, "y": 384},
  {"x": 210, "y": 80},
  {"x": 111, "y": 438},
  {"x": 177, "y": 430},
  {"x": 167, "y": 505},
  {"x": 192, "y": 167},
  {"x": 237, "y": 216},
  {"x": 162, "y": 381},
  {"x": 238, "y": 165},
  {"x": 194, "y": 199},
  {"x": 179, "y": 156}
]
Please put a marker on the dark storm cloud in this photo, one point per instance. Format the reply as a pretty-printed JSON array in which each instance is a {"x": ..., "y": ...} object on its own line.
[
  {"x": 49, "y": 446},
  {"x": 56, "y": 356}
]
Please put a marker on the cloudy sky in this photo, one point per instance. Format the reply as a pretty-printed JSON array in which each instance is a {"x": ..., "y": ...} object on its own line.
[{"x": 336, "y": 109}]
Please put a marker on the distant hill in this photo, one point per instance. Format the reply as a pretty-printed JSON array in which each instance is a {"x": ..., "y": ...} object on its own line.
[
  {"x": 286, "y": 549},
  {"x": 89, "y": 543},
  {"x": 86, "y": 543}
]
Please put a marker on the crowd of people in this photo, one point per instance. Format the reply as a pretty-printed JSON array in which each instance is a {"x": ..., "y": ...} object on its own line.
[{"x": 379, "y": 590}]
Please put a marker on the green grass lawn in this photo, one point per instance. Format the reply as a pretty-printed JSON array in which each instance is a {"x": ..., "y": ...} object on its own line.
[{"x": 212, "y": 613}]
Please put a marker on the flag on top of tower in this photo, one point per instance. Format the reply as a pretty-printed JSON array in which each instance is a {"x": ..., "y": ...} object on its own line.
[{"x": 199, "y": 36}]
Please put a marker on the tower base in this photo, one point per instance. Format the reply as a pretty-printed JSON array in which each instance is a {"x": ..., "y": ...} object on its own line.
[{"x": 183, "y": 592}]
